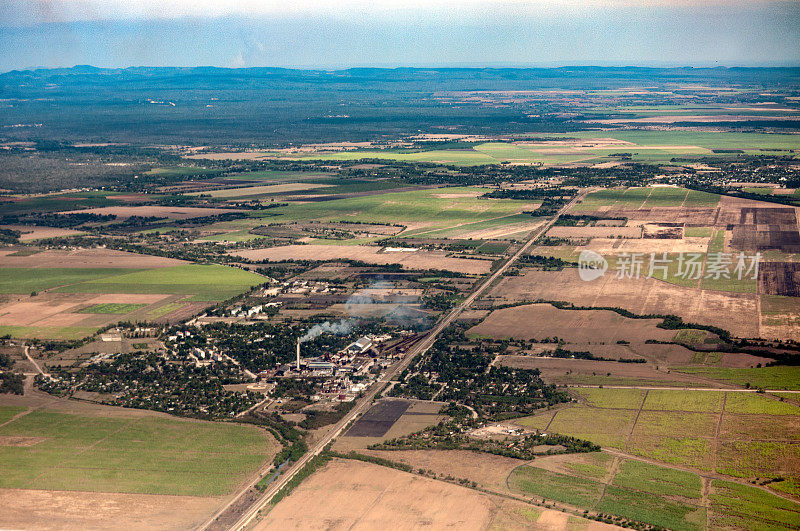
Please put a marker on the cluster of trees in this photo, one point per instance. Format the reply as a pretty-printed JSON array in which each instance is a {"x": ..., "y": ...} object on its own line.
[
  {"x": 456, "y": 435},
  {"x": 148, "y": 380},
  {"x": 11, "y": 382},
  {"x": 458, "y": 371},
  {"x": 63, "y": 221}
]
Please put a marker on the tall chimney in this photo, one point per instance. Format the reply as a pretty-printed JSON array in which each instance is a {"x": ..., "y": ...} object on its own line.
[{"x": 298, "y": 355}]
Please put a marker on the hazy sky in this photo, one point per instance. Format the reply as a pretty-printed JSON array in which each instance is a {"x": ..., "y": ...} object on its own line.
[{"x": 334, "y": 34}]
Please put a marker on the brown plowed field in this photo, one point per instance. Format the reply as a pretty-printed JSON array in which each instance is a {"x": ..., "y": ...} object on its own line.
[
  {"x": 735, "y": 312},
  {"x": 779, "y": 278},
  {"x": 539, "y": 321},
  {"x": 87, "y": 258},
  {"x": 409, "y": 260}
]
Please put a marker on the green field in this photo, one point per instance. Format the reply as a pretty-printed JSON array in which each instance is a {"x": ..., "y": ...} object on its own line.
[
  {"x": 698, "y": 232},
  {"x": 646, "y": 197},
  {"x": 705, "y": 140},
  {"x": 755, "y": 404},
  {"x": 658, "y": 480},
  {"x": 779, "y": 378},
  {"x": 24, "y": 280},
  {"x": 573, "y": 490},
  {"x": 59, "y": 202},
  {"x": 149, "y": 454},
  {"x": 638, "y": 491},
  {"x": 205, "y": 282},
  {"x": 743, "y": 507},
  {"x": 654, "y": 495},
  {"x": 680, "y": 427},
  {"x": 164, "y": 310},
  {"x": 698, "y": 401},
  {"x": 442, "y": 208},
  {"x": 612, "y": 398},
  {"x": 652, "y": 509},
  {"x": 50, "y": 332},
  {"x": 648, "y": 146},
  {"x": 113, "y": 308}
]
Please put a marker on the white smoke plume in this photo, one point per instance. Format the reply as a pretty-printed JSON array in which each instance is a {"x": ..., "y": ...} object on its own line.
[{"x": 343, "y": 327}]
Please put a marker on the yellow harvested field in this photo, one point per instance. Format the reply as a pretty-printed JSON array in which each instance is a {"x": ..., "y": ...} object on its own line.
[
  {"x": 31, "y": 232},
  {"x": 355, "y": 495},
  {"x": 606, "y": 246},
  {"x": 46, "y": 509},
  {"x": 595, "y": 232},
  {"x": 420, "y": 260},
  {"x": 59, "y": 309},
  {"x": 488, "y": 470}
]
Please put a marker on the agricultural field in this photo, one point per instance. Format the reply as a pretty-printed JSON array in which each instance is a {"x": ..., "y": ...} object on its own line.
[
  {"x": 540, "y": 321},
  {"x": 72, "y": 302},
  {"x": 354, "y": 493},
  {"x": 129, "y": 467},
  {"x": 632, "y": 489},
  {"x": 557, "y": 149},
  {"x": 733, "y": 433},
  {"x": 144, "y": 454},
  {"x": 379, "y": 226}
]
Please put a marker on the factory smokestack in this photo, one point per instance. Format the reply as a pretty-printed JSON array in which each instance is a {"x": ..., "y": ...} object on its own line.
[{"x": 298, "y": 355}]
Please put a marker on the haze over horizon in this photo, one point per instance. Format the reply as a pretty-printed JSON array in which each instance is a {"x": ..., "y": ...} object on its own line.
[{"x": 353, "y": 33}]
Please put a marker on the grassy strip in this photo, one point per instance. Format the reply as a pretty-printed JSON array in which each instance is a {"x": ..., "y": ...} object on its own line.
[{"x": 314, "y": 464}]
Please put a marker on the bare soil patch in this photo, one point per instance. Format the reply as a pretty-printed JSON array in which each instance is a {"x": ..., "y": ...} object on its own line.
[
  {"x": 736, "y": 312},
  {"x": 580, "y": 233},
  {"x": 86, "y": 258},
  {"x": 8, "y": 440},
  {"x": 607, "y": 246},
  {"x": 539, "y": 321},
  {"x": 409, "y": 260},
  {"x": 488, "y": 470},
  {"x": 32, "y": 232},
  {"x": 62, "y": 510},
  {"x": 779, "y": 278},
  {"x": 355, "y": 495},
  {"x": 560, "y": 371},
  {"x": 378, "y": 419},
  {"x": 760, "y": 228}
]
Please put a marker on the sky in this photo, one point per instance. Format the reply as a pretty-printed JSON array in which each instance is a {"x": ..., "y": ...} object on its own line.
[{"x": 332, "y": 34}]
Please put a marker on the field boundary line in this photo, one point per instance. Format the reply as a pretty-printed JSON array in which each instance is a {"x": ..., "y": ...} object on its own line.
[
  {"x": 641, "y": 207},
  {"x": 636, "y": 420},
  {"x": 718, "y": 430},
  {"x": 20, "y": 415},
  {"x": 612, "y": 473},
  {"x": 710, "y": 474},
  {"x": 684, "y": 201},
  {"x": 551, "y": 419}
]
